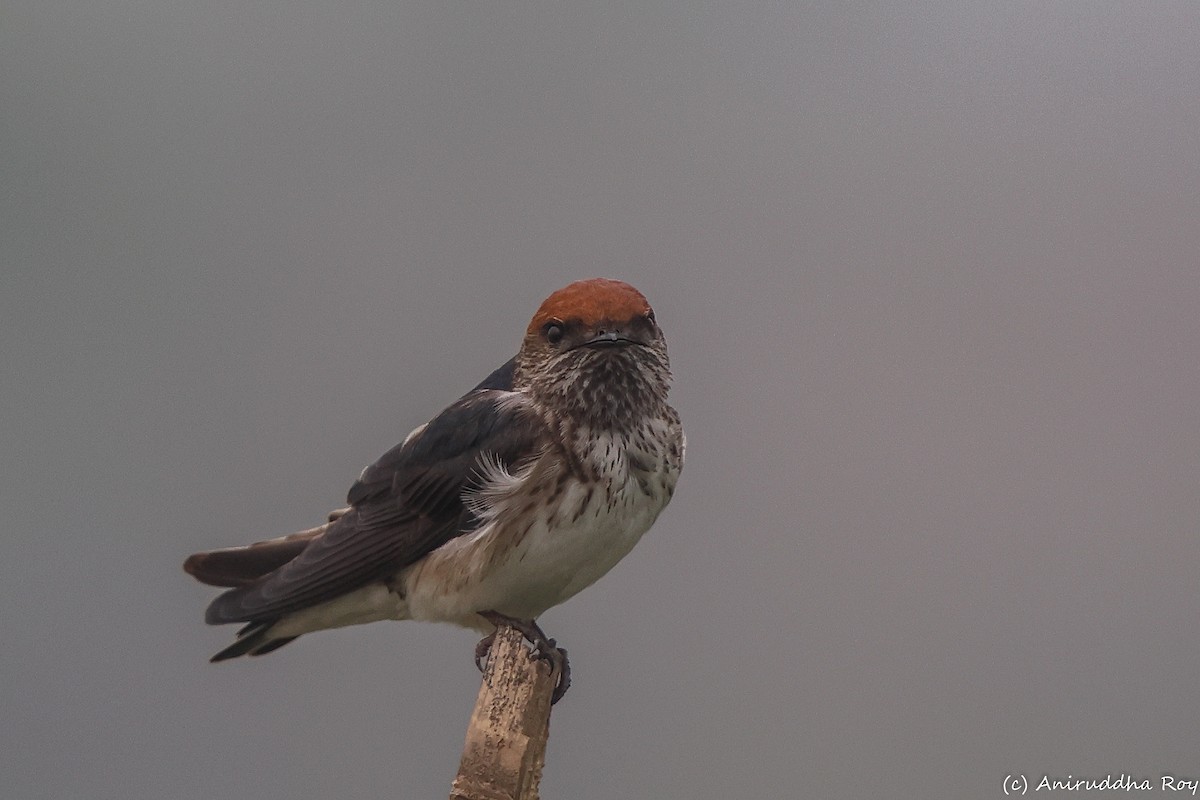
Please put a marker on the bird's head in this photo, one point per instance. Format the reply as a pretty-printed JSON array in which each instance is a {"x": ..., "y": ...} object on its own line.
[{"x": 596, "y": 346}]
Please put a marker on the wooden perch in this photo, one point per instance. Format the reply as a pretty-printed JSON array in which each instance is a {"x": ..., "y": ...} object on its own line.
[{"x": 506, "y": 741}]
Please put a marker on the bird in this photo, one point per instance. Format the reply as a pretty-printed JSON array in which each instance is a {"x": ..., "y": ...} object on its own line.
[{"x": 513, "y": 499}]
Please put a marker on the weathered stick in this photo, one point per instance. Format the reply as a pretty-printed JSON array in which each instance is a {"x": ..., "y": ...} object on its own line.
[{"x": 506, "y": 741}]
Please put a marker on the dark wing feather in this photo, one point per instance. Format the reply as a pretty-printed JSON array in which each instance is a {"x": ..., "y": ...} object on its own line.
[
  {"x": 402, "y": 507},
  {"x": 242, "y": 566},
  {"x": 433, "y": 443},
  {"x": 501, "y": 378}
]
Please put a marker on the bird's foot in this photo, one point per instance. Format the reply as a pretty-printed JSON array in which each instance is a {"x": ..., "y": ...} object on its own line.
[
  {"x": 544, "y": 648},
  {"x": 482, "y": 649}
]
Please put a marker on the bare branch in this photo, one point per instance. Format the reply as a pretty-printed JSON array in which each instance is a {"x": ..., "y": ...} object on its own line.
[{"x": 506, "y": 741}]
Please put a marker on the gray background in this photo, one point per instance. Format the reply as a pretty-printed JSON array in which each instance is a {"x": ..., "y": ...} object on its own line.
[{"x": 929, "y": 277}]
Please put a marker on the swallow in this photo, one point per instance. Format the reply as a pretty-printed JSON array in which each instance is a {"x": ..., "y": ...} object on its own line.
[{"x": 516, "y": 497}]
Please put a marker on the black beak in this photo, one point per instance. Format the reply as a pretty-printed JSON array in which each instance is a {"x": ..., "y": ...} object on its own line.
[
  {"x": 613, "y": 338},
  {"x": 606, "y": 333}
]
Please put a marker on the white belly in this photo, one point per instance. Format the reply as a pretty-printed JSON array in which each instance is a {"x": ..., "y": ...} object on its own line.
[
  {"x": 523, "y": 562},
  {"x": 535, "y": 549}
]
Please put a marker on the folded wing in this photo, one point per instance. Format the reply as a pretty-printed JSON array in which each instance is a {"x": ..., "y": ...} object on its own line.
[{"x": 403, "y": 506}]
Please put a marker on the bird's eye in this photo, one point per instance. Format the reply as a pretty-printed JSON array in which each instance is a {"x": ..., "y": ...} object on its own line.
[{"x": 554, "y": 332}]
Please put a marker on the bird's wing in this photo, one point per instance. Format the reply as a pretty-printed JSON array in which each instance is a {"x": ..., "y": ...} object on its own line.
[
  {"x": 243, "y": 566},
  {"x": 402, "y": 507},
  {"x": 501, "y": 378},
  {"x": 432, "y": 442}
]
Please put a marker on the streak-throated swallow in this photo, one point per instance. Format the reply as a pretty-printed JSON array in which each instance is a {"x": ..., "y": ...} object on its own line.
[{"x": 520, "y": 494}]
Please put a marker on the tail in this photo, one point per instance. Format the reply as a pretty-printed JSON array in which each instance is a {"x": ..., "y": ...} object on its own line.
[
  {"x": 238, "y": 567},
  {"x": 242, "y": 566},
  {"x": 253, "y": 640}
]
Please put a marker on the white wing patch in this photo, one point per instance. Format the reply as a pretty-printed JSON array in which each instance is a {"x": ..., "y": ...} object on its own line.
[{"x": 414, "y": 433}]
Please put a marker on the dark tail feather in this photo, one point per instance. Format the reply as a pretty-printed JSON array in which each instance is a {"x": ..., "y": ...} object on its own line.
[
  {"x": 252, "y": 641},
  {"x": 242, "y": 566}
]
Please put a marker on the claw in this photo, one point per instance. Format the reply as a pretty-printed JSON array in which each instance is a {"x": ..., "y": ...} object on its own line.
[
  {"x": 544, "y": 648},
  {"x": 560, "y": 665},
  {"x": 482, "y": 649}
]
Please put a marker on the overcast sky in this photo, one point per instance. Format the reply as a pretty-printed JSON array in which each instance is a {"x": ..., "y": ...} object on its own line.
[{"x": 929, "y": 277}]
